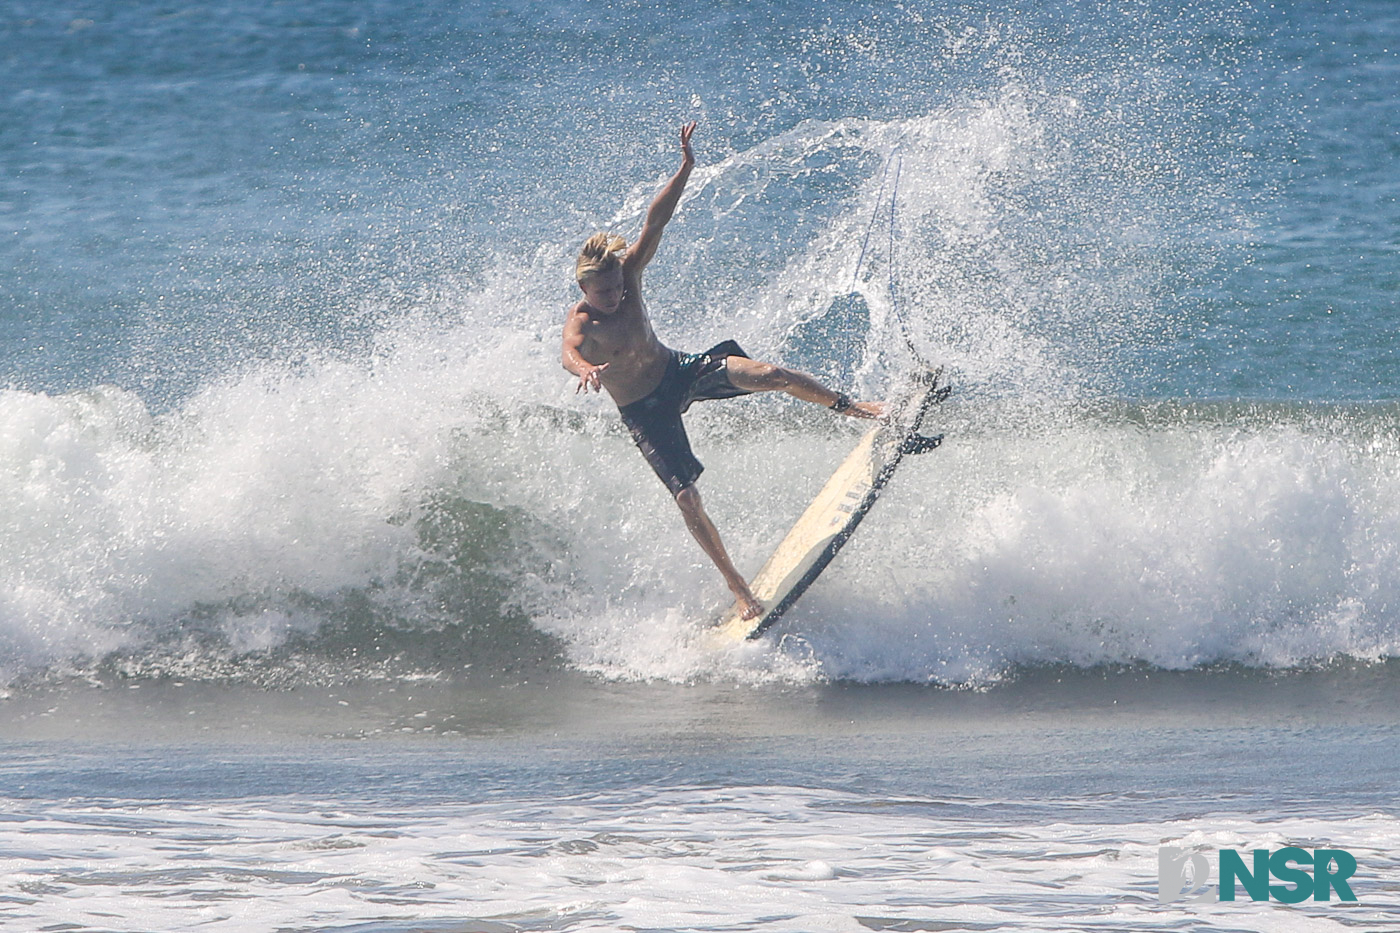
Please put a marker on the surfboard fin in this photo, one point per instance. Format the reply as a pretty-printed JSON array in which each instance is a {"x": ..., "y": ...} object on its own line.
[{"x": 920, "y": 443}]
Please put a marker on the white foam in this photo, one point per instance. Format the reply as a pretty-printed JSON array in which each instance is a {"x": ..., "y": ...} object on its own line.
[
  {"x": 270, "y": 482},
  {"x": 784, "y": 858},
  {"x": 1087, "y": 542}
]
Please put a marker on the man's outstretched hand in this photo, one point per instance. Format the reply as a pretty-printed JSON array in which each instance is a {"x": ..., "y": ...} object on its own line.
[
  {"x": 686, "y": 132},
  {"x": 589, "y": 379}
]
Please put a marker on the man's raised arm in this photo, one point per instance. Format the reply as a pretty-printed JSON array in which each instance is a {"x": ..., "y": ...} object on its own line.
[{"x": 659, "y": 214}]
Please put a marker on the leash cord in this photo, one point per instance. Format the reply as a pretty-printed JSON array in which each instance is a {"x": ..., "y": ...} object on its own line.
[{"x": 895, "y": 160}]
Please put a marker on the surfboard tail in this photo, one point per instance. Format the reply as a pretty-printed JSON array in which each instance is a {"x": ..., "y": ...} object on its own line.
[{"x": 920, "y": 443}]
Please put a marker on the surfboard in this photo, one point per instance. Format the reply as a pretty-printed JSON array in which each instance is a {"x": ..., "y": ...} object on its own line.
[{"x": 831, "y": 519}]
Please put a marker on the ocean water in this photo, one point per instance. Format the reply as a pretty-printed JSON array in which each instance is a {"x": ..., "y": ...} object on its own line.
[{"x": 326, "y": 604}]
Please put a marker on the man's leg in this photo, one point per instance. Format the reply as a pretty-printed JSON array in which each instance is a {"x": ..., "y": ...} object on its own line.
[
  {"x": 705, "y": 532},
  {"x": 757, "y": 376}
]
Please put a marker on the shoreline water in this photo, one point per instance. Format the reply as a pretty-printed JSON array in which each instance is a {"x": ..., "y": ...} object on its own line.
[
  {"x": 579, "y": 804},
  {"x": 585, "y": 708}
]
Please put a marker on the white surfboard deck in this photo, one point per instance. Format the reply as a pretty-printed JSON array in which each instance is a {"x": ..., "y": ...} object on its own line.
[{"x": 832, "y": 517}]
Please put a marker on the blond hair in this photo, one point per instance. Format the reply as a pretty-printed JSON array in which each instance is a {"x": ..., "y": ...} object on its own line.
[{"x": 601, "y": 252}]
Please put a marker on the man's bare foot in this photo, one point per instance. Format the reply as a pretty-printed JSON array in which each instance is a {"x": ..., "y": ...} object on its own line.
[
  {"x": 752, "y": 608},
  {"x": 872, "y": 411}
]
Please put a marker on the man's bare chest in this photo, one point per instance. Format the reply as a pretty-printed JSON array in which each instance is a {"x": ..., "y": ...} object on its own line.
[{"x": 616, "y": 339}]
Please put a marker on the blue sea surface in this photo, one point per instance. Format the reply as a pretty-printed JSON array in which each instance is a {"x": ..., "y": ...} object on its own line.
[
  {"x": 184, "y": 185},
  {"x": 327, "y": 604}
]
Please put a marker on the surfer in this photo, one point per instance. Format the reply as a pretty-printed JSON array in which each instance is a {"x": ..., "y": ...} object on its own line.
[{"x": 609, "y": 344}]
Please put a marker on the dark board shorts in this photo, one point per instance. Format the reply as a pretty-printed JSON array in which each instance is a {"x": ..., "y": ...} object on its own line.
[{"x": 655, "y": 421}]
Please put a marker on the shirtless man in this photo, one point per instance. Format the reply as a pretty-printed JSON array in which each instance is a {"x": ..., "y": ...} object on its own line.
[{"x": 609, "y": 344}]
